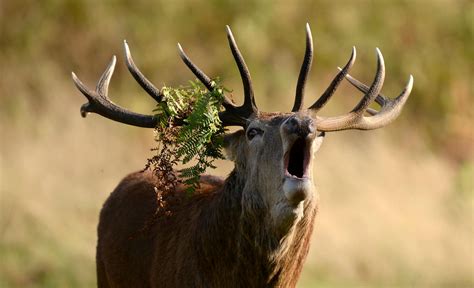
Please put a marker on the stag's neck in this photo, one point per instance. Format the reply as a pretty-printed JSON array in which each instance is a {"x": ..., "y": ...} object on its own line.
[{"x": 241, "y": 232}]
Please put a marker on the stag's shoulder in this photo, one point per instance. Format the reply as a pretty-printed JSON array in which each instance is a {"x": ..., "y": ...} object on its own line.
[
  {"x": 142, "y": 189},
  {"x": 147, "y": 181}
]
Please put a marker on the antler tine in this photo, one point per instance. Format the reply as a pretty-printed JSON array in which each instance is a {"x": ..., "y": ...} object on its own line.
[
  {"x": 139, "y": 77},
  {"x": 380, "y": 99},
  {"x": 233, "y": 115},
  {"x": 100, "y": 103},
  {"x": 198, "y": 72},
  {"x": 375, "y": 88},
  {"x": 102, "y": 87},
  {"x": 388, "y": 106},
  {"x": 206, "y": 80},
  {"x": 355, "y": 118},
  {"x": 334, "y": 84},
  {"x": 249, "y": 100},
  {"x": 391, "y": 109},
  {"x": 305, "y": 68}
]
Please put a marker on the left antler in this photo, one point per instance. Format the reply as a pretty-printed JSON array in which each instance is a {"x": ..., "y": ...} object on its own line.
[{"x": 390, "y": 108}]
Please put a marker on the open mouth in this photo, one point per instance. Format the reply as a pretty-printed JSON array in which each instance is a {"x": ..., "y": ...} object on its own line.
[{"x": 297, "y": 159}]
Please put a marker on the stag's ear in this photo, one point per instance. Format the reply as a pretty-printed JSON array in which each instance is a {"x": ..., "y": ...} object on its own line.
[{"x": 233, "y": 144}]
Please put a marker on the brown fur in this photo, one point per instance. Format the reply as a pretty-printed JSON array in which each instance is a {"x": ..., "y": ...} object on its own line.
[
  {"x": 224, "y": 235},
  {"x": 200, "y": 242}
]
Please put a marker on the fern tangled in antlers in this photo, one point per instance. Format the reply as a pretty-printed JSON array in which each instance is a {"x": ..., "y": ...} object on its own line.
[{"x": 189, "y": 128}]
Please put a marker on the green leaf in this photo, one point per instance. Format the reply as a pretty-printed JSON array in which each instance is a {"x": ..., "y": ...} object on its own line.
[{"x": 200, "y": 137}]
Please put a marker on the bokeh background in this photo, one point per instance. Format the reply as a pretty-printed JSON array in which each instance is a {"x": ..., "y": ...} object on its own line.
[{"x": 397, "y": 203}]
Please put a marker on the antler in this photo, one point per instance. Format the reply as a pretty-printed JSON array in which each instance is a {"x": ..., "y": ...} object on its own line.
[
  {"x": 305, "y": 68},
  {"x": 238, "y": 115},
  {"x": 139, "y": 77},
  {"x": 390, "y": 109},
  {"x": 324, "y": 98},
  {"x": 233, "y": 115},
  {"x": 100, "y": 103}
]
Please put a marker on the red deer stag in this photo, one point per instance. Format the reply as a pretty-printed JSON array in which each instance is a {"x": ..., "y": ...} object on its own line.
[{"x": 252, "y": 229}]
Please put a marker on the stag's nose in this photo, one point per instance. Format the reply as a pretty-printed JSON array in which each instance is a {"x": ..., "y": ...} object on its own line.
[{"x": 302, "y": 126}]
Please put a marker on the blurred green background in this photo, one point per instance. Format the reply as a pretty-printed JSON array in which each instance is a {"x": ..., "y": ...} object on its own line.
[{"x": 396, "y": 203}]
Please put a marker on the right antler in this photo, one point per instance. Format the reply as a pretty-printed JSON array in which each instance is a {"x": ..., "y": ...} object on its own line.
[{"x": 100, "y": 103}]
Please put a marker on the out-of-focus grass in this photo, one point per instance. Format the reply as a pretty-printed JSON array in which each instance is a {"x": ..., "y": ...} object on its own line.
[{"x": 396, "y": 204}]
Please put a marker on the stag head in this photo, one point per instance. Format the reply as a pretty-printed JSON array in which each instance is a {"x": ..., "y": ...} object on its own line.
[{"x": 274, "y": 151}]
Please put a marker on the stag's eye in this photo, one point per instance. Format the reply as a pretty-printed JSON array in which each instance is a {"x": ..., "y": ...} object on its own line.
[{"x": 252, "y": 132}]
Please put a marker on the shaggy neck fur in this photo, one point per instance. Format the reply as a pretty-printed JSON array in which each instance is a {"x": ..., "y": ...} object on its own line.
[
  {"x": 222, "y": 236},
  {"x": 236, "y": 235}
]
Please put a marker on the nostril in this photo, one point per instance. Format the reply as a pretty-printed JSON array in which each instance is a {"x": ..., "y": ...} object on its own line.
[{"x": 301, "y": 127}]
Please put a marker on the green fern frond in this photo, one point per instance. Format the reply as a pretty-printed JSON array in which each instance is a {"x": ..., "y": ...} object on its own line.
[{"x": 199, "y": 137}]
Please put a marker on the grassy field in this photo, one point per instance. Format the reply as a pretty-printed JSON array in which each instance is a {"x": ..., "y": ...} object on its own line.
[{"x": 397, "y": 203}]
